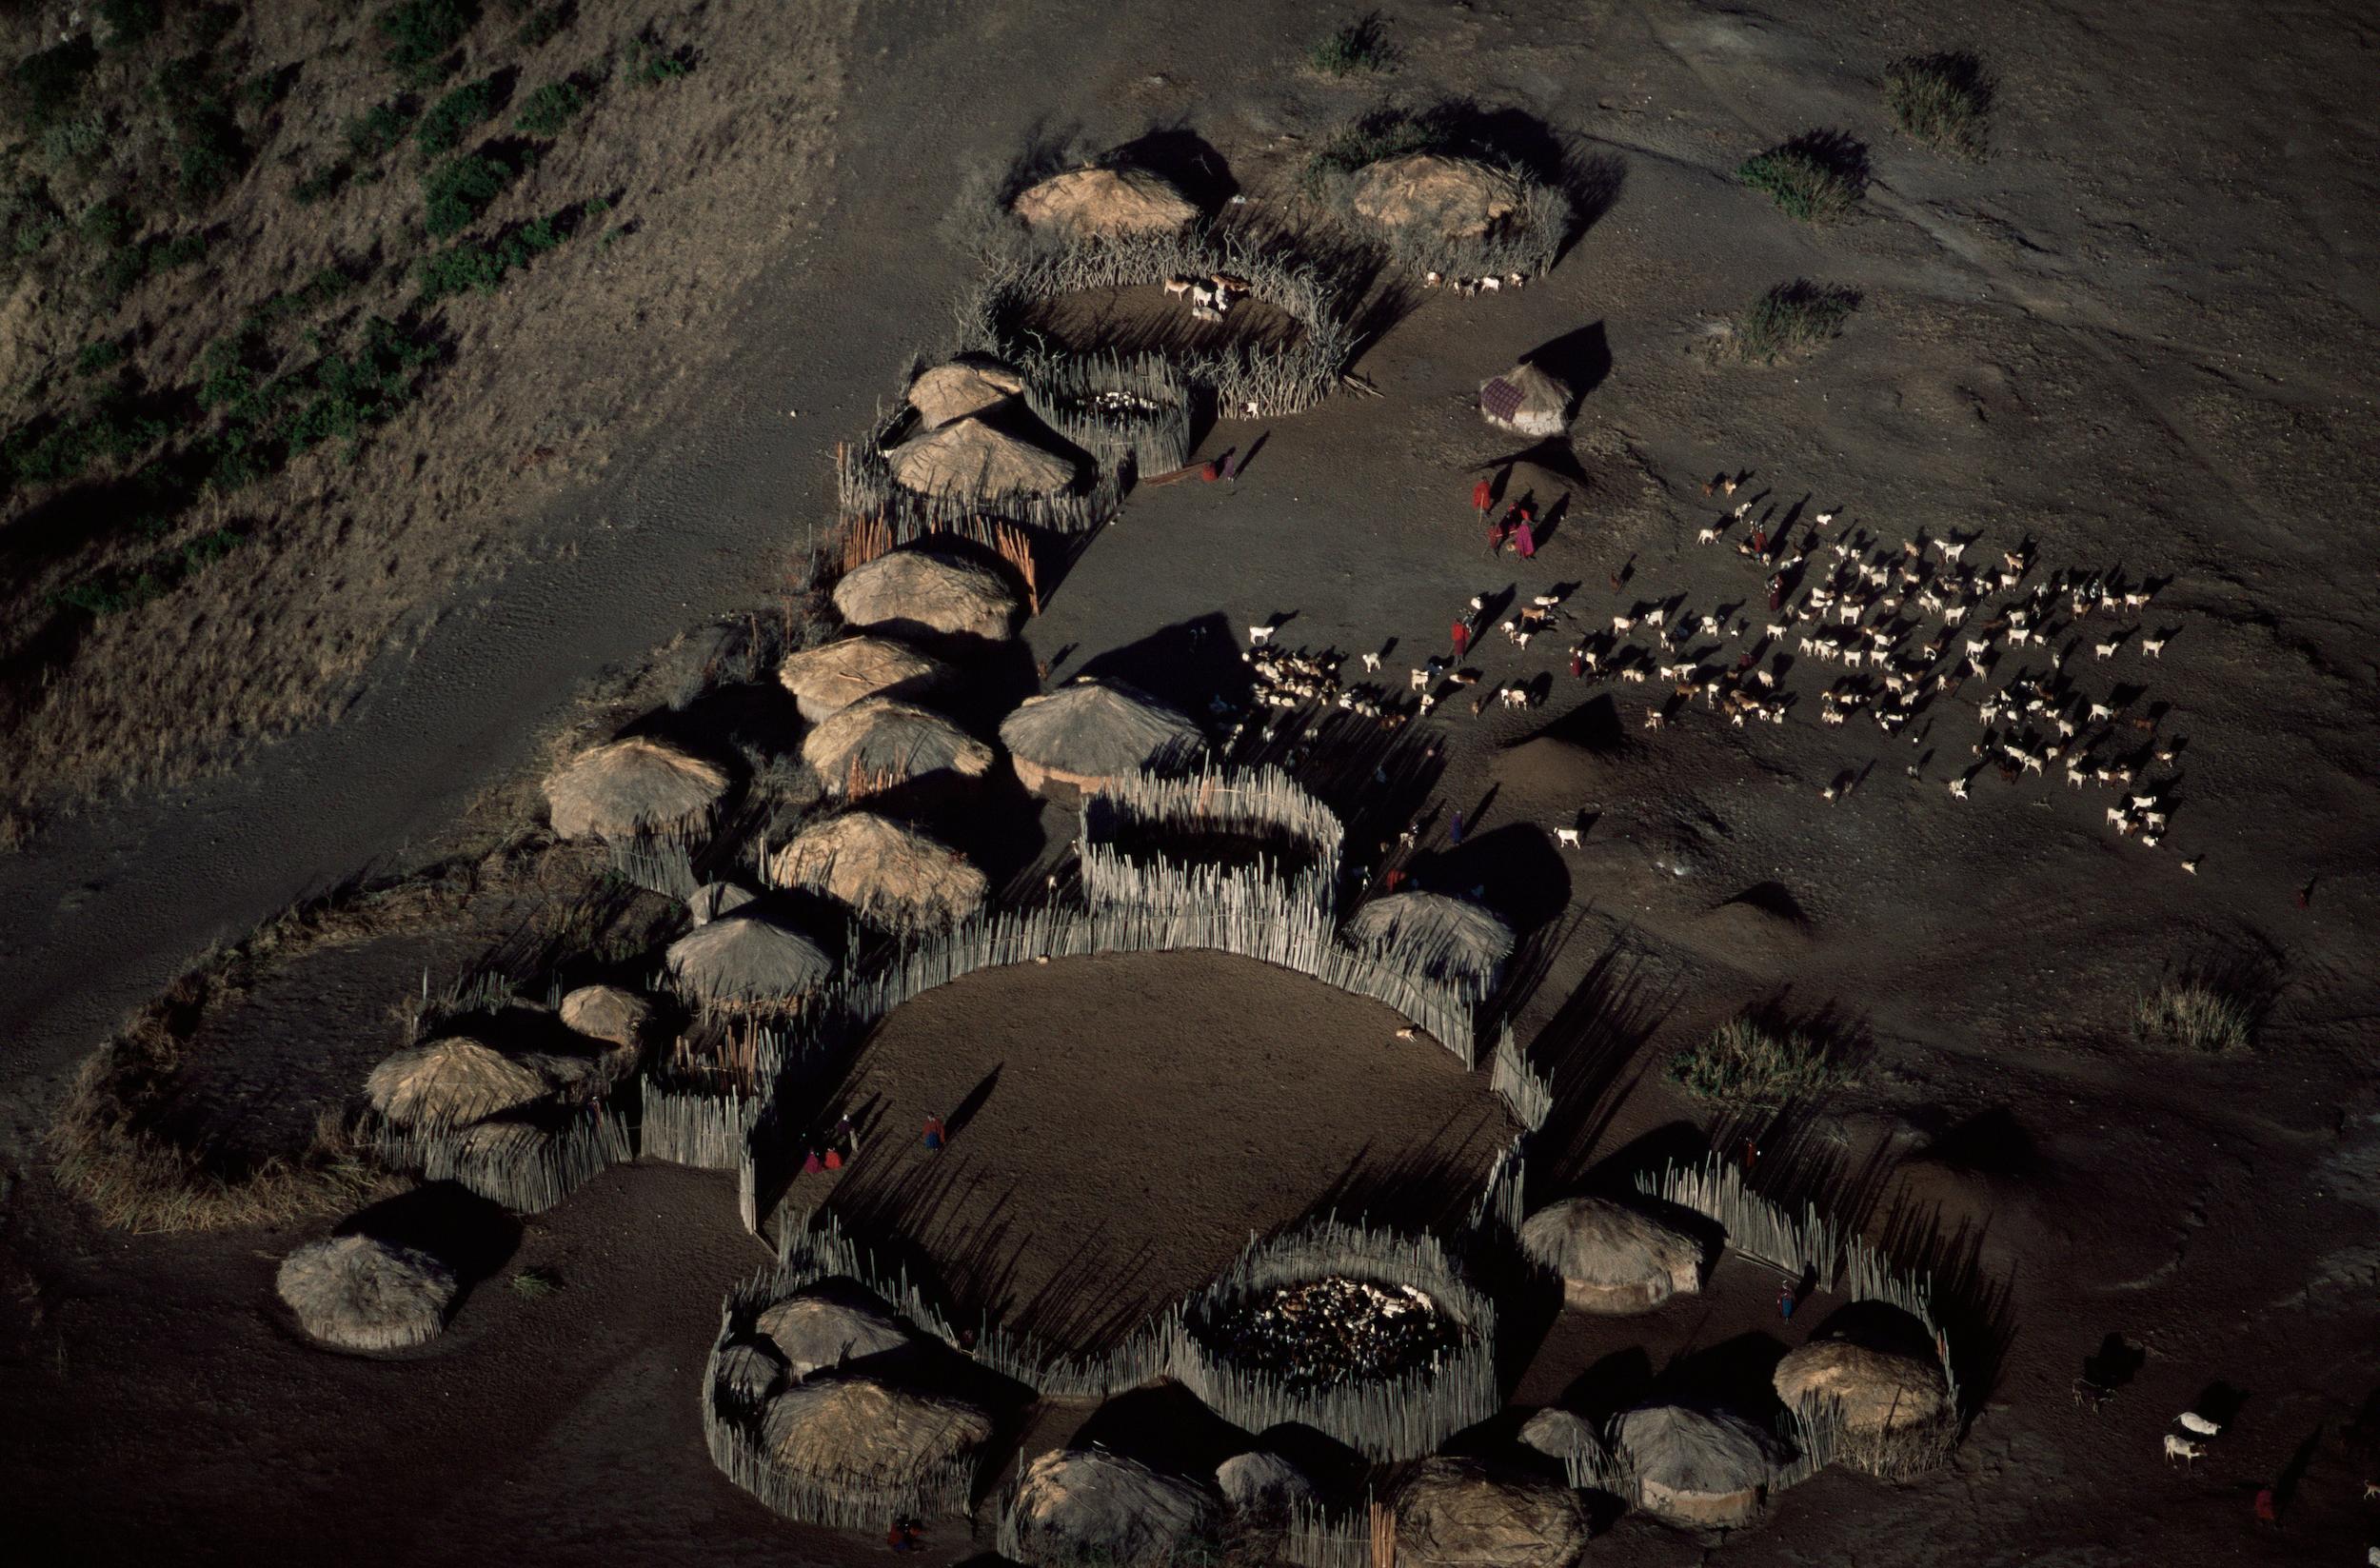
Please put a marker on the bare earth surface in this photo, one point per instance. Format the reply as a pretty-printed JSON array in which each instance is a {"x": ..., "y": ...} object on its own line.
[{"x": 2139, "y": 335}]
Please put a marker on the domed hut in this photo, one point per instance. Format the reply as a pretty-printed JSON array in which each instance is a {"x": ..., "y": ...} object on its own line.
[
  {"x": 361, "y": 1293},
  {"x": 449, "y": 1083},
  {"x": 748, "y": 1372},
  {"x": 1457, "y": 1512},
  {"x": 974, "y": 456},
  {"x": 624, "y": 787},
  {"x": 745, "y": 960},
  {"x": 824, "y": 680},
  {"x": 827, "y": 1325},
  {"x": 1434, "y": 193},
  {"x": 1527, "y": 399},
  {"x": 1611, "y": 1258},
  {"x": 1098, "y": 201},
  {"x": 714, "y": 899},
  {"x": 1696, "y": 1466},
  {"x": 890, "y": 874},
  {"x": 849, "y": 1431},
  {"x": 881, "y": 742},
  {"x": 1449, "y": 938},
  {"x": 968, "y": 385},
  {"x": 1878, "y": 1392},
  {"x": 927, "y": 593},
  {"x": 1561, "y": 1434},
  {"x": 1086, "y": 733},
  {"x": 615, "y": 1017},
  {"x": 1081, "y": 1505},
  {"x": 1257, "y": 1484}
]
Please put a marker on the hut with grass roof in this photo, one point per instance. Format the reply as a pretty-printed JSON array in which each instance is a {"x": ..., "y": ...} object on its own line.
[
  {"x": 969, "y": 384},
  {"x": 843, "y": 1430},
  {"x": 1433, "y": 934},
  {"x": 927, "y": 593},
  {"x": 882, "y": 742},
  {"x": 1434, "y": 193},
  {"x": 630, "y": 786},
  {"x": 361, "y": 1293},
  {"x": 449, "y": 1084},
  {"x": 1455, "y": 1513},
  {"x": 1102, "y": 202},
  {"x": 748, "y": 1372},
  {"x": 1527, "y": 399},
  {"x": 827, "y": 1325},
  {"x": 1089, "y": 732},
  {"x": 1560, "y": 1434},
  {"x": 1090, "y": 1505},
  {"x": 1611, "y": 1258},
  {"x": 1699, "y": 1466},
  {"x": 983, "y": 455},
  {"x": 1877, "y": 1393},
  {"x": 746, "y": 961},
  {"x": 1263, "y": 1485},
  {"x": 826, "y": 679},
  {"x": 888, "y": 873},
  {"x": 714, "y": 899}
]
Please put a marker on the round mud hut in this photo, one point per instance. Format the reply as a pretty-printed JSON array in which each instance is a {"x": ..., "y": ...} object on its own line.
[
  {"x": 827, "y": 1325},
  {"x": 1879, "y": 1392},
  {"x": 927, "y": 593},
  {"x": 626, "y": 787},
  {"x": 890, "y": 874},
  {"x": 1611, "y": 1259},
  {"x": 1433, "y": 934},
  {"x": 1457, "y": 1512},
  {"x": 974, "y": 456},
  {"x": 1697, "y": 1466},
  {"x": 882, "y": 742},
  {"x": 744, "y": 961},
  {"x": 849, "y": 1431},
  {"x": 1434, "y": 194},
  {"x": 824, "y": 680},
  {"x": 1088, "y": 732},
  {"x": 1102, "y": 202},
  {"x": 361, "y": 1293},
  {"x": 1527, "y": 399},
  {"x": 967, "y": 385},
  {"x": 449, "y": 1083},
  {"x": 1090, "y": 1505}
]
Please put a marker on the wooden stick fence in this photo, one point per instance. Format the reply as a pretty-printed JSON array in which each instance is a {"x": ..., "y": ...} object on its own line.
[
  {"x": 1263, "y": 804},
  {"x": 1521, "y": 1086},
  {"x": 1114, "y": 408},
  {"x": 529, "y": 1173}
]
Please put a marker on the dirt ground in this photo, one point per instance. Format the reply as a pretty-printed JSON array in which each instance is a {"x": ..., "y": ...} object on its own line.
[{"x": 2136, "y": 336}]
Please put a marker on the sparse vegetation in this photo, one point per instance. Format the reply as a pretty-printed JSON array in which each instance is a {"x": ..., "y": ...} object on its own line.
[
  {"x": 1749, "y": 1065},
  {"x": 1942, "y": 100},
  {"x": 470, "y": 265},
  {"x": 374, "y": 133},
  {"x": 1806, "y": 178},
  {"x": 419, "y": 33},
  {"x": 458, "y": 190},
  {"x": 650, "y": 65},
  {"x": 533, "y": 1285},
  {"x": 441, "y": 127},
  {"x": 551, "y": 109},
  {"x": 2197, "y": 1014},
  {"x": 1791, "y": 319},
  {"x": 1360, "y": 45}
]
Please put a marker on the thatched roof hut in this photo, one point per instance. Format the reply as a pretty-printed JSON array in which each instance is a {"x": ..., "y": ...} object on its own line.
[
  {"x": 1433, "y": 933},
  {"x": 975, "y": 457},
  {"x": 1611, "y": 1258},
  {"x": 882, "y": 742},
  {"x": 609, "y": 1013},
  {"x": 1696, "y": 1466},
  {"x": 1088, "y": 1504},
  {"x": 749, "y": 1371},
  {"x": 624, "y": 787},
  {"x": 714, "y": 899},
  {"x": 1453, "y": 1513},
  {"x": 1527, "y": 399},
  {"x": 1560, "y": 1434},
  {"x": 448, "y": 1083},
  {"x": 852, "y": 1431},
  {"x": 1090, "y": 731},
  {"x": 887, "y": 872},
  {"x": 1262, "y": 1484},
  {"x": 1881, "y": 1391},
  {"x": 361, "y": 1293},
  {"x": 826, "y": 679},
  {"x": 927, "y": 593},
  {"x": 1454, "y": 197},
  {"x": 967, "y": 385},
  {"x": 1102, "y": 200},
  {"x": 747, "y": 961},
  {"x": 827, "y": 1325}
]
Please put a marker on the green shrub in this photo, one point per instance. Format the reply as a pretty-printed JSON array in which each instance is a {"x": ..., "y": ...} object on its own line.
[
  {"x": 458, "y": 190},
  {"x": 51, "y": 83},
  {"x": 551, "y": 109},
  {"x": 1803, "y": 180},
  {"x": 74, "y": 136},
  {"x": 374, "y": 132},
  {"x": 107, "y": 225},
  {"x": 187, "y": 249},
  {"x": 1360, "y": 45},
  {"x": 1748, "y": 1065},
  {"x": 112, "y": 594},
  {"x": 267, "y": 87},
  {"x": 534, "y": 1284},
  {"x": 1370, "y": 138},
  {"x": 650, "y": 65},
  {"x": 321, "y": 185},
  {"x": 1942, "y": 100},
  {"x": 441, "y": 129},
  {"x": 419, "y": 33},
  {"x": 209, "y": 151},
  {"x": 98, "y": 358},
  {"x": 1791, "y": 319},
  {"x": 2196, "y": 1013},
  {"x": 131, "y": 21},
  {"x": 471, "y": 265}
]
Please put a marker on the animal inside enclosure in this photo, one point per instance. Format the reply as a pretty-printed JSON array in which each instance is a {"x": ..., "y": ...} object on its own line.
[{"x": 1144, "y": 318}]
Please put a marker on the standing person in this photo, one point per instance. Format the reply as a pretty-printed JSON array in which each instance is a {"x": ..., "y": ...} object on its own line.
[
  {"x": 1524, "y": 536},
  {"x": 1497, "y": 530},
  {"x": 1578, "y": 663},
  {"x": 1776, "y": 591},
  {"x": 2268, "y": 1507},
  {"x": 1454, "y": 834},
  {"x": 1463, "y": 638},
  {"x": 1482, "y": 497},
  {"x": 811, "y": 1164},
  {"x": 1785, "y": 1301},
  {"x": 936, "y": 1133}
]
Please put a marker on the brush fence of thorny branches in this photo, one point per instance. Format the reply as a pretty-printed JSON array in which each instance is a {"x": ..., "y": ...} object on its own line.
[{"x": 1262, "y": 805}]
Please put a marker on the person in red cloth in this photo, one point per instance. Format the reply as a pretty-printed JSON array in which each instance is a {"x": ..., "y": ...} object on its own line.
[
  {"x": 1463, "y": 638},
  {"x": 1482, "y": 497},
  {"x": 936, "y": 1133},
  {"x": 1578, "y": 663},
  {"x": 1524, "y": 537},
  {"x": 1496, "y": 532}
]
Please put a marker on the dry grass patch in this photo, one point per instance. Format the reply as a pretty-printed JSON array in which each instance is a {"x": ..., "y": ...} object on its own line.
[
  {"x": 2198, "y": 1015},
  {"x": 1942, "y": 100},
  {"x": 1789, "y": 320},
  {"x": 1750, "y": 1065}
]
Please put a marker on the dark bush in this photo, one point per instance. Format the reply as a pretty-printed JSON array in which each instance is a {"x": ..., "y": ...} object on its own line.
[
  {"x": 551, "y": 109},
  {"x": 419, "y": 33},
  {"x": 458, "y": 190},
  {"x": 372, "y": 133},
  {"x": 441, "y": 129},
  {"x": 131, "y": 22},
  {"x": 51, "y": 81}
]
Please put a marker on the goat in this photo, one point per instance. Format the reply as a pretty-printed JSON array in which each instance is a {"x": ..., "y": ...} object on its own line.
[
  {"x": 1431, "y": 279},
  {"x": 1623, "y": 624},
  {"x": 1565, "y": 837},
  {"x": 1656, "y": 618},
  {"x": 1514, "y": 697},
  {"x": 2105, "y": 651},
  {"x": 2182, "y": 1449},
  {"x": 1180, "y": 284},
  {"x": 2101, "y": 711},
  {"x": 2152, "y": 647},
  {"x": 1824, "y": 517},
  {"x": 1708, "y": 536},
  {"x": 1653, "y": 719},
  {"x": 1420, "y": 680},
  {"x": 1774, "y": 631},
  {"x": 1371, "y": 664},
  {"x": 1958, "y": 789},
  {"x": 1259, "y": 636},
  {"x": 1491, "y": 283}
]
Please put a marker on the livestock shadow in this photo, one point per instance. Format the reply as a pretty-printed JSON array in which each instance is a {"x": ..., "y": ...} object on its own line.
[
  {"x": 1990, "y": 1142},
  {"x": 2115, "y": 1363}
]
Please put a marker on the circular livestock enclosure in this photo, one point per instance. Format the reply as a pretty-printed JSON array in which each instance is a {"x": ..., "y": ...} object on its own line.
[{"x": 1219, "y": 832}]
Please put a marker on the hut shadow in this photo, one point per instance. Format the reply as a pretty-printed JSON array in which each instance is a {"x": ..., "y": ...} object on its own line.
[
  {"x": 1992, "y": 1142},
  {"x": 471, "y": 1234},
  {"x": 2115, "y": 1363},
  {"x": 1337, "y": 1472},
  {"x": 1610, "y": 1385},
  {"x": 1876, "y": 1325},
  {"x": 1737, "y": 1374},
  {"x": 1514, "y": 869},
  {"x": 1429, "y": 1187},
  {"x": 1594, "y": 727},
  {"x": 1585, "y": 1051},
  {"x": 1184, "y": 159},
  {"x": 1165, "y": 1427},
  {"x": 1975, "y": 1307},
  {"x": 1189, "y": 664},
  {"x": 1580, "y": 359}
]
